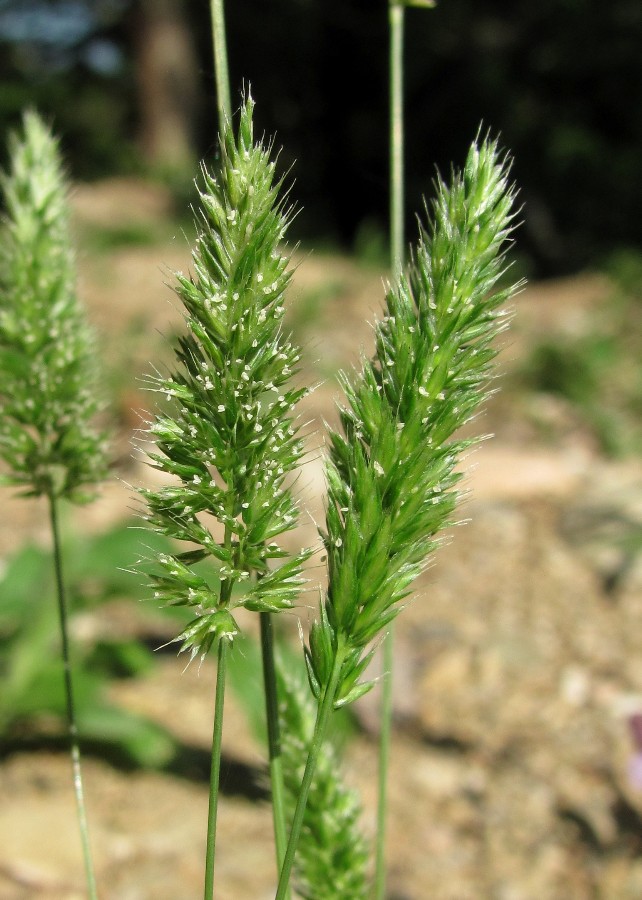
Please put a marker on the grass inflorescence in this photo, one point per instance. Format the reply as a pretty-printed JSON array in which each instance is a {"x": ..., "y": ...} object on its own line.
[
  {"x": 392, "y": 472},
  {"x": 227, "y": 443},
  {"x": 392, "y": 476},
  {"x": 231, "y": 439},
  {"x": 48, "y": 378}
]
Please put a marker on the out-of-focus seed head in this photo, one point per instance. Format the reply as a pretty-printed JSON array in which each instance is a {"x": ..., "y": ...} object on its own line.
[{"x": 48, "y": 379}]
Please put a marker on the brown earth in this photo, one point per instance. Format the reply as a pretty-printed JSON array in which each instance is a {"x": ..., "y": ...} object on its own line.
[{"x": 517, "y": 665}]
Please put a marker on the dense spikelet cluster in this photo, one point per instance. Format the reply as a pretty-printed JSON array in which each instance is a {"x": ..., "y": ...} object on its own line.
[
  {"x": 47, "y": 374},
  {"x": 391, "y": 474},
  {"x": 332, "y": 858},
  {"x": 230, "y": 440}
]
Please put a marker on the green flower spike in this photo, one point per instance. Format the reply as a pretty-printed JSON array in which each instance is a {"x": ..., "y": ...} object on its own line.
[
  {"x": 230, "y": 440},
  {"x": 392, "y": 478},
  {"x": 391, "y": 474},
  {"x": 47, "y": 374}
]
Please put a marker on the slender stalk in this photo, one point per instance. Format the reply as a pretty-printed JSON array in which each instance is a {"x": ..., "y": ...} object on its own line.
[
  {"x": 274, "y": 737},
  {"x": 215, "y": 769},
  {"x": 217, "y": 737},
  {"x": 396, "y": 25},
  {"x": 385, "y": 738},
  {"x": 221, "y": 69},
  {"x": 72, "y": 726},
  {"x": 320, "y": 729}
]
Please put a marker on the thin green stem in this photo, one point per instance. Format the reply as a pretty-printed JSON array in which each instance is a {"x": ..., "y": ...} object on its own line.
[
  {"x": 74, "y": 745},
  {"x": 385, "y": 736},
  {"x": 324, "y": 712},
  {"x": 221, "y": 68},
  {"x": 396, "y": 23},
  {"x": 274, "y": 738},
  {"x": 217, "y": 735},
  {"x": 215, "y": 770},
  {"x": 396, "y": 26}
]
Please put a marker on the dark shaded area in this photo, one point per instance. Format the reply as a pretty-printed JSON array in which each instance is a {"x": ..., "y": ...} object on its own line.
[
  {"x": 561, "y": 80},
  {"x": 629, "y": 824},
  {"x": 446, "y": 742},
  {"x": 584, "y": 830},
  {"x": 238, "y": 779},
  {"x": 627, "y": 819}
]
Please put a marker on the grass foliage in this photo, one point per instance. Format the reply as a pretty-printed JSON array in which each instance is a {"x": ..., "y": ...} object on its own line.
[{"x": 32, "y": 702}]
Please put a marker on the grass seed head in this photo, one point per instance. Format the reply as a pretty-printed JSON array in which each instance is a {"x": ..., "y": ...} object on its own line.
[
  {"x": 392, "y": 481},
  {"x": 47, "y": 371},
  {"x": 231, "y": 438}
]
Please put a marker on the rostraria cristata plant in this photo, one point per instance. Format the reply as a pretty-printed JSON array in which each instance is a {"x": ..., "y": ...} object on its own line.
[
  {"x": 230, "y": 438},
  {"x": 47, "y": 375},
  {"x": 392, "y": 478}
]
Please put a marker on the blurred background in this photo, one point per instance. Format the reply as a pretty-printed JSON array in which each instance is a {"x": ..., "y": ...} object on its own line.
[
  {"x": 515, "y": 770},
  {"x": 128, "y": 85}
]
